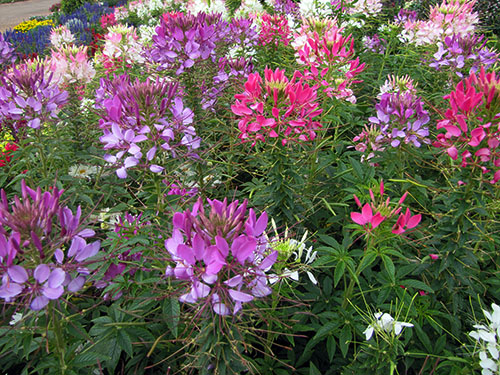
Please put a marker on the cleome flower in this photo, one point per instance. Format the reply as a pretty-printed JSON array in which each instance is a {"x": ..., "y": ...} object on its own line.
[
  {"x": 43, "y": 250},
  {"x": 143, "y": 120},
  {"x": 385, "y": 323},
  {"x": 488, "y": 339},
  {"x": 222, "y": 255},
  {"x": 276, "y": 108}
]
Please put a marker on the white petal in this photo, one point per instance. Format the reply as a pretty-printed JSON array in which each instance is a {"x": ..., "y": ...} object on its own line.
[{"x": 368, "y": 332}]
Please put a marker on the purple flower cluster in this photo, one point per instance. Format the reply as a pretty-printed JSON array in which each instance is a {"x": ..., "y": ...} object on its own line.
[
  {"x": 182, "y": 41},
  {"x": 287, "y": 7},
  {"x": 401, "y": 117},
  {"x": 7, "y": 53},
  {"x": 142, "y": 119},
  {"x": 405, "y": 15},
  {"x": 375, "y": 44},
  {"x": 232, "y": 73},
  {"x": 28, "y": 96},
  {"x": 43, "y": 250},
  {"x": 222, "y": 254},
  {"x": 463, "y": 53}
]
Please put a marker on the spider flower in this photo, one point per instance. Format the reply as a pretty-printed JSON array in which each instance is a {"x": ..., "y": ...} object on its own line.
[
  {"x": 463, "y": 53},
  {"x": 143, "y": 120},
  {"x": 182, "y": 41},
  {"x": 28, "y": 96},
  {"x": 401, "y": 117},
  {"x": 277, "y": 108},
  {"x": 376, "y": 212},
  {"x": 7, "y": 52},
  {"x": 472, "y": 124},
  {"x": 223, "y": 255},
  {"x": 328, "y": 57},
  {"x": 43, "y": 249},
  {"x": 274, "y": 30}
]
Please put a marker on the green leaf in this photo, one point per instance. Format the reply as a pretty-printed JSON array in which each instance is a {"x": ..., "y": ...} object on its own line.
[
  {"x": 410, "y": 283},
  {"x": 313, "y": 370},
  {"x": 367, "y": 259},
  {"x": 389, "y": 267},
  {"x": 124, "y": 341},
  {"x": 345, "y": 338},
  {"x": 339, "y": 272},
  {"x": 331, "y": 346},
  {"x": 171, "y": 311}
]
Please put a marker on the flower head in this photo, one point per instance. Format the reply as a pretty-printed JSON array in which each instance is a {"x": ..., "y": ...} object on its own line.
[{"x": 222, "y": 254}]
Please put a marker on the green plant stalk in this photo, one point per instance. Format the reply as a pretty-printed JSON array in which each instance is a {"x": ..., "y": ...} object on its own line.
[
  {"x": 350, "y": 288},
  {"x": 43, "y": 159},
  {"x": 57, "y": 329}
]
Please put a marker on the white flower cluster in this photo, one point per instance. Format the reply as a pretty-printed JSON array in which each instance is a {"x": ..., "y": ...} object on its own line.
[
  {"x": 385, "y": 323},
  {"x": 311, "y": 8},
  {"x": 488, "y": 336},
  {"x": 249, "y": 7}
]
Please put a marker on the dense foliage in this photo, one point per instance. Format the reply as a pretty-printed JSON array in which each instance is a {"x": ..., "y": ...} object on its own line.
[{"x": 269, "y": 187}]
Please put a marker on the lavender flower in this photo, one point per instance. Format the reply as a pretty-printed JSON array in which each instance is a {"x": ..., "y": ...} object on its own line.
[
  {"x": 287, "y": 7},
  {"x": 463, "y": 53},
  {"x": 7, "y": 53},
  {"x": 182, "y": 41},
  {"x": 401, "y": 117},
  {"x": 142, "y": 119},
  {"x": 43, "y": 250},
  {"x": 375, "y": 44},
  {"x": 223, "y": 255},
  {"x": 232, "y": 73},
  {"x": 28, "y": 96},
  {"x": 405, "y": 15}
]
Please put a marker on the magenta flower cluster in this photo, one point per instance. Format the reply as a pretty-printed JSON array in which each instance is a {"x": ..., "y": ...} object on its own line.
[
  {"x": 43, "y": 249},
  {"x": 28, "y": 96},
  {"x": 140, "y": 120},
  {"x": 223, "y": 255},
  {"x": 463, "y": 53},
  {"x": 401, "y": 117}
]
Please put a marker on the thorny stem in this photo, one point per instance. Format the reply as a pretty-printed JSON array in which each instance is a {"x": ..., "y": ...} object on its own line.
[{"x": 60, "y": 346}]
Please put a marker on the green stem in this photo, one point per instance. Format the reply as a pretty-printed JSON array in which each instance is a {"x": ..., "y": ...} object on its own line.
[
  {"x": 41, "y": 152},
  {"x": 57, "y": 329},
  {"x": 350, "y": 288}
]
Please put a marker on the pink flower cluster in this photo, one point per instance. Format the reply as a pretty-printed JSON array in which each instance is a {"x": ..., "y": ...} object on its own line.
[
  {"x": 451, "y": 17},
  {"x": 277, "y": 108},
  {"x": 122, "y": 48},
  {"x": 71, "y": 65},
  {"x": 222, "y": 254},
  {"x": 328, "y": 57},
  {"x": 472, "y": 124},
  {"x": 274, "y": 30},
  {"x": 108, "y": 20},
  {"x": 369, "y": 221}
]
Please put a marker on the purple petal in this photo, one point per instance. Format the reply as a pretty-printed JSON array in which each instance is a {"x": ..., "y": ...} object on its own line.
[
  {"x": 234, "y": 281},
  {"x": 10, "y": 290},
  {"x": 76, "y": 284},
  {"x": 86, "y": 233},
  {"x": 155, "y": 168},
  {"x": 121, "y": 172},
  {"x": 59, "y": 256},
  {"x": 221, "y": 309},
  {"x": 53, "y": 293},
  {"x": 42, "y": 273},
  {"x": 268, "y": 262},
  {"x": 88, "y": 251},
  {"x": 240, "y": 296},
  {"x": 56, "y": 278},
  {"x": 242, "y": 247},
  {"x": 18, "y": 274},
  {"x": 186, "y": 253},
  {"x": 76, "y": 245},
  {"x": 39, "y": 303}
]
